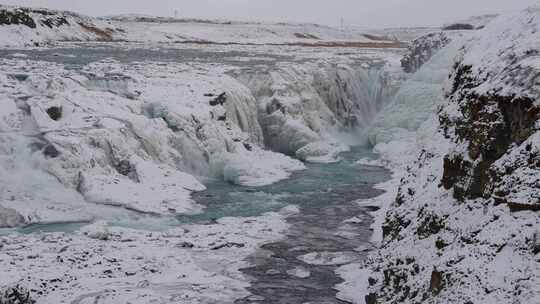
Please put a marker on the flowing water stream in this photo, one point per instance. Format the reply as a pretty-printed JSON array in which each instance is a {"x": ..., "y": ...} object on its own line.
[{"x": 322, "y": 236}]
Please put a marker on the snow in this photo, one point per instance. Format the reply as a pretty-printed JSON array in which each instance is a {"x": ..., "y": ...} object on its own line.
[
  {"x": 416, "y": 100},
  {"x": 328, "y": 258},
  {"x": 356, "y": 283},
  {"x": 299, "y": 272},
  {"x": 125, "y": 138},
  {"x": 142, "y": 136},
  {"x": 237, "y": 33},
  {"x": 482, "y": 251},
  {"x": 156, "y": 29},
  {"x": 51, "y": 26},
  {"x": 191, "y": 263}
]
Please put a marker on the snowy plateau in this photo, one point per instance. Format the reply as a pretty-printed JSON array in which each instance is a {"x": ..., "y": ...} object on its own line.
[{"x": 123, "y": 137}]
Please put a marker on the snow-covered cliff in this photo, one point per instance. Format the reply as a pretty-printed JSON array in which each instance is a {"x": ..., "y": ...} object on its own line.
[{"x": 463, "y": 224}]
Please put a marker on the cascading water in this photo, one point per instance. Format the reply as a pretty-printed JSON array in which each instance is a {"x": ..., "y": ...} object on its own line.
[
  {"x": 416, "y": 99},
  {"x": 134, "y": 135},
  {"x": 311, "y": 103}
]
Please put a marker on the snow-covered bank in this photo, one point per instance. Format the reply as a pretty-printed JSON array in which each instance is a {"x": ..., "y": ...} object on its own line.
[
  {"x": 188, "y": 264},
  {"x": 462, "y": 223},
  {"x": 22, "y": 27}
]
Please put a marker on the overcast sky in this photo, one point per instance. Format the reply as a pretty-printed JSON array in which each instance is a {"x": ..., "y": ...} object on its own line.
[{"x": 370, "y": 13}]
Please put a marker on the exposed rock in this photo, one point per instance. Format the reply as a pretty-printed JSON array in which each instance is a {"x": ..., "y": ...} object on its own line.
[
  {"x": 16, "y": 295},
  {"x": 436, "y": 282},
  {"x": 55, "y": 113},
  {"x": 459, "y": 26},
  {"x": 219, "y": 100},
  {"x": 422, "y": 49},
  {"x": 19, "y": 16},
  {"x": 125, "y": 168},
  {"x": 50, "y": 151},
  {"x": 371, "y": 299},
  {"x": 228, "y": 245},
  {"x": 10, "y": 218}
]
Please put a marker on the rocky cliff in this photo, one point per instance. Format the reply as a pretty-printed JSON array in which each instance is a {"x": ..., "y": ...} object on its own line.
[{"x": 464, "y": 226}]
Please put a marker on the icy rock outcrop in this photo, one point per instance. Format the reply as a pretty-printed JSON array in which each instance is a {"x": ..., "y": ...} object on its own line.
[
  {"x": 32, "y": 27},
  {"x": 302, "y": 107},
  {"x": 464, "y": 225},
  {"x": 422, "y": 49},
  {"x": 16, "y": 295}
]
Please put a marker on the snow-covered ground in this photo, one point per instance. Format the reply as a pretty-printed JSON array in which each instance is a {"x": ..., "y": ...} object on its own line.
[
  {"x": 101, "y": 264},
  {"x": 33, "y": 27},
  {"x": 22, "y": 27},
  {"x": 153, "y": 29},
  {"x": 444, "y": 240}
]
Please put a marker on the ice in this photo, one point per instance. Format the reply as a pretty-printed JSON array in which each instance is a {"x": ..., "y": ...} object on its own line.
[
  {"x": 299, "y": 272},
  {"x": 416, "y": 99},
  {"x": 356, "y": 283},
  {"x": 321, "y": 152},
  {"x": 328, "y": 258},
  {"x": 303, "y": 107}
]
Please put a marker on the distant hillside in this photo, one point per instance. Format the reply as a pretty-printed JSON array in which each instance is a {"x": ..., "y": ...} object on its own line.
[
  {"x": 32, "y": 27},
  {"x": 22, "y": 27},
  {"x": 165, "y": 29}
]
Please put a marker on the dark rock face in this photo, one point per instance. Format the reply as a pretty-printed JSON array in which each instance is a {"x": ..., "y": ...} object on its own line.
[
  {"x": 219, "y": 100},
  {"x": 50, "y": 151},
  {"x": 16, "y": 295},
  {"x": 371, "y": 299},
  {"x": 18, "y": 16},
  {"x": 125, "y": 168},
  {"x": 436, "y": 282},
  {"x": 422, "y": 49},
  {"x": 458, "y": 26},
  {"x": 56, "y": 21},
  {"x": 55, "y": 113},
  {"x": 490, "y": 124}
]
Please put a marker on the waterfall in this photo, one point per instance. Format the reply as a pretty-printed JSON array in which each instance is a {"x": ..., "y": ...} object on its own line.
[
  {"x": 416, "y": 99},
  {"x": 311, "y": 103}
]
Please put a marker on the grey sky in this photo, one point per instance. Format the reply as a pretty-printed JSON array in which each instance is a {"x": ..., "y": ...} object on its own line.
[{"x": 371, "y": 13}]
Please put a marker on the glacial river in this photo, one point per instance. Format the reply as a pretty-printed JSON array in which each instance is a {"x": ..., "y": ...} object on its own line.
[{"x": 322, "y": 233}]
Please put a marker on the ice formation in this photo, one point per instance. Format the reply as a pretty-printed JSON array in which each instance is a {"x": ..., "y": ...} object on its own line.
[
  {"x": 302, "y": 107},
  {"x": 416, "y": 99}
]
